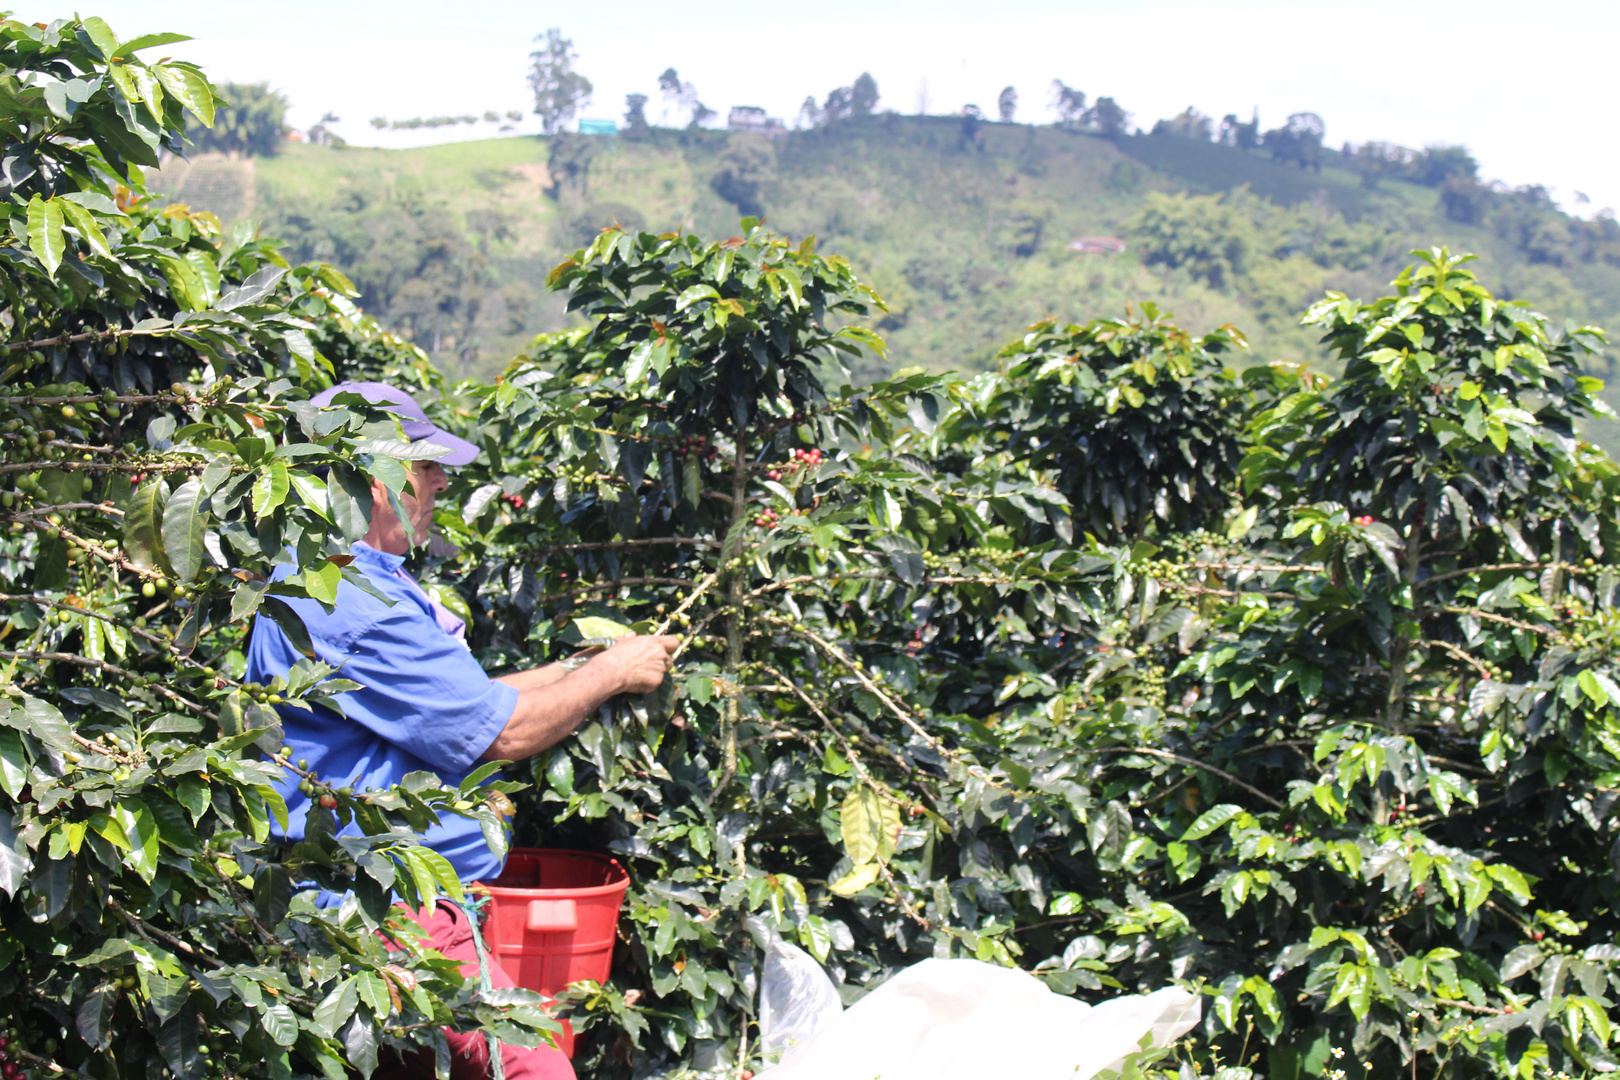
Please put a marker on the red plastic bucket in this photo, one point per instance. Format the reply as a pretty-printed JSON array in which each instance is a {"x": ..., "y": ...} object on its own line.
[{"x": 553, "y": 917}]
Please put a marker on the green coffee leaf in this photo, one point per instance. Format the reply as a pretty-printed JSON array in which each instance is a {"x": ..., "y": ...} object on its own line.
[
  {"x": 590, "y": 630},
  {"x": 80, "y": 219},
  {"x": 1210, "y": 820},
  {"x": 45, "y": 237},
  {"x": 336, "y": 1007},
  {"x": 281, "y": 1024},
  {"x": 185, "y": 528}
]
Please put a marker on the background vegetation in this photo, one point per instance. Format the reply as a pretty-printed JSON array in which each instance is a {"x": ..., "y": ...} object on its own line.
[{"x": 963, "y": 227}]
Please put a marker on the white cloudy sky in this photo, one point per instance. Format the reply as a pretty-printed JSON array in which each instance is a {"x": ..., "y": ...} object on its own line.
[{"x": 1525, "y": 86}]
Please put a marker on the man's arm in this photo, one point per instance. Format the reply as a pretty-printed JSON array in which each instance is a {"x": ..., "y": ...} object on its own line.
[
  {"x": 535, "y": 677},
  {"x": 550, "y": 706}
]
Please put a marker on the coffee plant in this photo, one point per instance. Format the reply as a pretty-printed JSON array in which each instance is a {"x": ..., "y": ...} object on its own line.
[
  {"x": 1112, "y": 664},
  {"x": 156, "y": 454}
]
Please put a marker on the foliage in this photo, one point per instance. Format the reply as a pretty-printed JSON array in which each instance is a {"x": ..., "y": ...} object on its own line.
[
  {"x": 251, "y": 121},
  {"x": 559, "y": 91},
  {"x": 1304, "y": 737},
  {"x": 1130, "y": 418},
  {"x": 684, "y": 95},
  {"x": 1433, "y": 166},
  {"x": 1327, "y": 731},
  {"x": 1298, "y": 141},
  {"x": 635, "y": 115},
  {"x": 863, "y": 95},
  {"x": 1070, "y": 103},
  {"x": 747, "y": 167},
  {"x": 1107, "y": 118},
  {"x": 1202, "y": 233},
  {"x": 1228, "y": 240},
  {"x": 156, "y": 446},
  {"x": 1233, "y": 132},
  {"x": 942, "y": 233}
]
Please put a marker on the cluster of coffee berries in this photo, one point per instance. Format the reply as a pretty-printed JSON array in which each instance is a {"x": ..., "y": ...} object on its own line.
[
  {"x": 799, "y": 459},
  {"x": 180, "y": 592},
  {"x": 312, "y": 789},
  {"x": 1365, "y": 519},
  {"x": 995, "y": 556},
  {"x": 264, "y": 695},
  {"x": 767, "y": 519},
  {"x": 1497, "y": 672},
  {"x": 695, "y": 447},
  {"x": 1201, "y": 542},
  {"x": 13, "y": 1070},
  {"x": 1161, "y": 570},
  {"x": 1152, "y": 686},
  {"x": 917, "y": 643}
]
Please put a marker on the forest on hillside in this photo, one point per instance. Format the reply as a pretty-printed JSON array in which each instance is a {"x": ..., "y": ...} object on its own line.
[{"x": 965, "y": 225}]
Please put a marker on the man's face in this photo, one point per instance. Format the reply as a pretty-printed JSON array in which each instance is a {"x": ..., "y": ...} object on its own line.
[
  {"x": 387, "y": 533},
  {"x": 427, "y": 480}
]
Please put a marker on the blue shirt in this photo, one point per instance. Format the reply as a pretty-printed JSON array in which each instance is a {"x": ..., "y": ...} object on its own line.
[{"x": 423, "y": 703}]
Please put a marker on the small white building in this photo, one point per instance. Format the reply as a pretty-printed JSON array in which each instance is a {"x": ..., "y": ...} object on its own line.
[
  {"x": 752, "y": 118},
  {"x": 1097, "y": 245}
]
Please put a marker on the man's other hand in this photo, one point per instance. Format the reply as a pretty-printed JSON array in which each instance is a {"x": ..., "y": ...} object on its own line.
[{"x": 640, "y": 662}]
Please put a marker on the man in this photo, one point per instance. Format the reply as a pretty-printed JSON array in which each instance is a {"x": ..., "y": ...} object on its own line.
[{"x": 425, "y": 704}]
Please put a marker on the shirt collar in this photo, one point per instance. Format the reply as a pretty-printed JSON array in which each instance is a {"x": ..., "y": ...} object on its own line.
[{"x": 365, "y": 553}]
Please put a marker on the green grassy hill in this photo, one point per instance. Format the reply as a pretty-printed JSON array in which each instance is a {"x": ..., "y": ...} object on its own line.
[{"x": 966, "y": 232}]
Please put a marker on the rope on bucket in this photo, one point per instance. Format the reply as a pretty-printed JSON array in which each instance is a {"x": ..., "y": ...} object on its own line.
[{"x": 474, "y": 907}]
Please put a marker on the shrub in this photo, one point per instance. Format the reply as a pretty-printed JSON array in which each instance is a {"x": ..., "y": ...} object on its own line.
[
  {"x": 1301, "y": 740},
  {"x": 155, "y": 454}
]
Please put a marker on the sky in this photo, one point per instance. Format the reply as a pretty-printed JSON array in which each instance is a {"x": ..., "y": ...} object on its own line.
[{"x": 1514, "y": 82}]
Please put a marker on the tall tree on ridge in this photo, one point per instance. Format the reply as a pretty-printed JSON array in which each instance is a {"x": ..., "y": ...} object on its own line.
[
  {"x": 1007, "y": 104},
  {"x": 559, "y": 90},
  {"x": 635, "y": 114},
  {"x": 1069, "y": 102},
  {"x": 1107, "y": 117},
  {"x": 683, "y": 95},
  {"x": 863, "y": 96},
  {"x": 252, "y": 124}
]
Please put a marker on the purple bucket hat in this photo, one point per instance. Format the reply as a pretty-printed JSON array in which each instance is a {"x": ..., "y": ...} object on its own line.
[{"x": 411, "y": 418}]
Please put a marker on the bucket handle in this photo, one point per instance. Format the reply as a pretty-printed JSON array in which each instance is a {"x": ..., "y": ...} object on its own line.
[{"x": 552, "y": 915}]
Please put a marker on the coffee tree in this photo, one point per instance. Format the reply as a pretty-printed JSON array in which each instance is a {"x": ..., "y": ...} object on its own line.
[
  {"x": 1131, "y": 418},
  {"x": 1127, "y": 688},
  {"x": 156, "y": 454}
]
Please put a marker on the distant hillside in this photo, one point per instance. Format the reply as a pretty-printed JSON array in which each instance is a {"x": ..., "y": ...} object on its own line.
[{"x": 965, "y": 228}]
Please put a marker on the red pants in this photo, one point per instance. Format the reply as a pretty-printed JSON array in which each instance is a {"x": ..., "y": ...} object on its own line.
[{"x": 450, "y": 932}]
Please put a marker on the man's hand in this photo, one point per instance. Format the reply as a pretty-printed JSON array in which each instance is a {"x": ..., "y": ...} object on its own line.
[
  {"x": 552, "y": 701},
  {"x": 640, "y": 663}
]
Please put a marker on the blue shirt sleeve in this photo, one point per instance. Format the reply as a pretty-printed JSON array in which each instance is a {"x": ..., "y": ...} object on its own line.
[{"x": 421, "y": 690}]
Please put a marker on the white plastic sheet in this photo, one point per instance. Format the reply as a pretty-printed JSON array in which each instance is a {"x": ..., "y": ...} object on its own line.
[
  {"x": 965, "y": 1020},
  {"x": 795, "y": 997}
]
